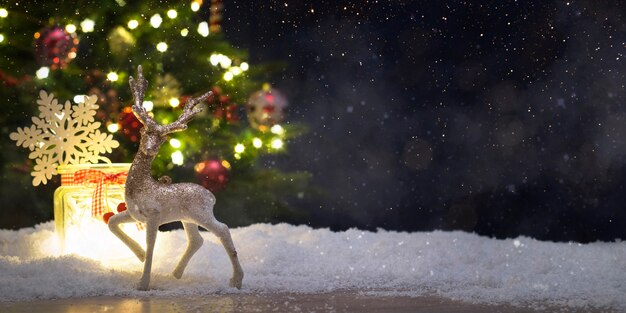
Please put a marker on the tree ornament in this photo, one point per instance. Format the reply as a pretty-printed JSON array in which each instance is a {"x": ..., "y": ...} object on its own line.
[
  {"x": 166, "y": 88},
  {"x": 227, "y": 113},
  {"x": 266, "y": 108},
  {"x": 55, "y": 47},
  {"x": 154, "y": 202},
  {"x": 63, "y": 134},
  {"x": 212, "y": 174},
  {"x": 221, "y": 106},
  {"x": 121, "y": 42},
  {"x": 215, "y": 19},
  {"x": 131, "y": 126}
]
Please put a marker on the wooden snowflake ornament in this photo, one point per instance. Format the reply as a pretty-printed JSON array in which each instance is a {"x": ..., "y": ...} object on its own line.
[{"x": 63, "y": 134}]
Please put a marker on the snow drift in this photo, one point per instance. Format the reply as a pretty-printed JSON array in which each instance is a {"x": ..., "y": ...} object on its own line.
[{"x": 286, "y": 258}]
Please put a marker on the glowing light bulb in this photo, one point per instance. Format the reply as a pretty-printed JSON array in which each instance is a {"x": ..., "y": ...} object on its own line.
[
  {"x": 235, "y": 70},
  {"x": 3, "y": 12},
  {"x": 244, "y": 66},
  {"x": 240, "y": 148},
  {"x": 177, "y": 158},
  {"x": 237, "y": 156},
  {"x": 277, "y": 129},
  {"x": 199, "y": 167},
  {"x": 277, "y": 143},
  {"x": 112, "y": 76},
  {"x": 174, "y": 102},
  {"x": 132, "y": 24},
  {"x": 257, "y": 143},
  {"x": 184, "y": 32},
  {"x": 87, "y": 25},
  {"x": 225, "y": 61},
  {"x": 79, "y": 98},
  {"x": 161, "y": 46},
  {"x": 42, "y": 72},
  {"x": 1, "y": 38},
  {"x": 195, "y": 6},
  {"x": 172, "y": 14},
  {"x": 214, "y": 59},
  {"x": 70, "y": 28},
  {"x": 175, "y": 143},
  {"x": 156, "y": 20},
  {"x": 148, "y": 105},
  {"x": 113, "y": 127},
  {"x": 228, "y": 76},
  {"x": 203, "y": 29},
  {"x": 226, "y": 164}
]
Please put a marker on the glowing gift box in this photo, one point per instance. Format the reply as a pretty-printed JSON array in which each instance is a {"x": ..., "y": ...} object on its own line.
[{"x": 87, "y": 192}]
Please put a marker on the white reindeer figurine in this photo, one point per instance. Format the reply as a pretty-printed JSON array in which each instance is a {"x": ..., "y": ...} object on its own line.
[{"x": 158, "y": 202}]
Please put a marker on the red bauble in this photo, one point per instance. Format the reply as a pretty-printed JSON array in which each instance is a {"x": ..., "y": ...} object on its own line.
[
  {"x": 212, "y": 174},
  {"x": 55, "y": 47},
  {"x": 121, "y": 207},
  {"x": 130, "y": 124}
]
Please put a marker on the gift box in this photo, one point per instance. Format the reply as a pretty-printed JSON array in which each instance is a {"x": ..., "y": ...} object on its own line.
[{"x": 87, "y": 192}]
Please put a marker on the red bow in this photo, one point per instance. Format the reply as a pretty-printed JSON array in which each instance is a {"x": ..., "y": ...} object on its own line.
[{"x": 101, "y": 179}]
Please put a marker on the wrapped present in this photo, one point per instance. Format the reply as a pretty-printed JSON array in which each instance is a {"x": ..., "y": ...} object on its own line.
[{"x": 87, "y": 193}]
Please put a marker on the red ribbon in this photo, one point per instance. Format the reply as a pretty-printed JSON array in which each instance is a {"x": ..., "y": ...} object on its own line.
[{"x": 102, "y": 180}]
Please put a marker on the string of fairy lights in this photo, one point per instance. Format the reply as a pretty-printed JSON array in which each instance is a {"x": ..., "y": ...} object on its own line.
[
  {"x": 3, "y": 14},
  {"x": 231, "y": 69},
  {"x": 88, "y": 25}
]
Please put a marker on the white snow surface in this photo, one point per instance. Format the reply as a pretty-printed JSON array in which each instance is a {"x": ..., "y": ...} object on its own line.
[{"x": 287, "y": 258}]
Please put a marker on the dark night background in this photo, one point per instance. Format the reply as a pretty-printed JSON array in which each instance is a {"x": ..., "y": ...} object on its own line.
[{"x": 497, "y": 117}]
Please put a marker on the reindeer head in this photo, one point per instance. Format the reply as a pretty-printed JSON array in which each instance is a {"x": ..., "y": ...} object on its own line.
[{"x": 154, "y": 135}]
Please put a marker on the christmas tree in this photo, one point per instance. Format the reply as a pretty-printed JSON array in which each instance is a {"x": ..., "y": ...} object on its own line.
[{"x": 92, "y": 47}]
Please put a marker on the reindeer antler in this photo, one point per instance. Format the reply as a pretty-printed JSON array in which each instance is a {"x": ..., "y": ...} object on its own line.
[
  {"x": 189, "y": 112},
  {"x": 138, "y": 89}
]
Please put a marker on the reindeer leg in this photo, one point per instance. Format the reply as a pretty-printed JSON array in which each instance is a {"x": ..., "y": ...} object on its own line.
[
  {"x": 221, "y": 231},
  {"x": 122, "y": 218},
  {"x": 194, "y": 242},
  {"x": 152, "y": 228}
]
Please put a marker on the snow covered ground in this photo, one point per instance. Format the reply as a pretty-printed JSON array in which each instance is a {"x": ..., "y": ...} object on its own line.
[{"x": 286, "y": 258}]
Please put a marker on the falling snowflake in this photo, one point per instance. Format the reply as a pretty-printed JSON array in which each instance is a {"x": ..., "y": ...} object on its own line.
[{"x": 63, "y": 134}]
